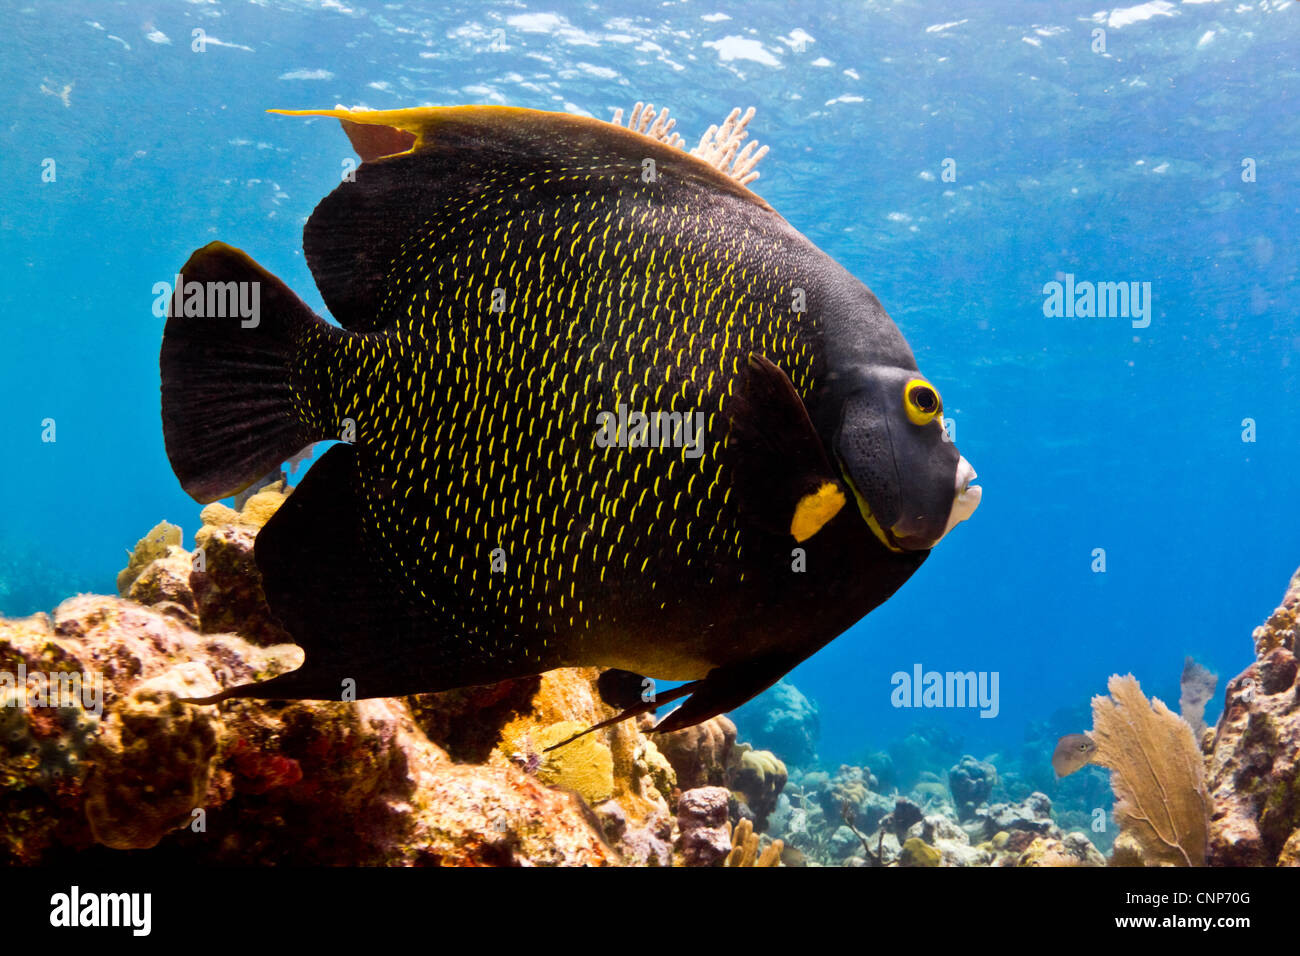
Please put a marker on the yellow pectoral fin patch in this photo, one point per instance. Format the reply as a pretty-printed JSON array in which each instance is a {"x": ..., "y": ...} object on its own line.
[{"x": 814, "y": 510}]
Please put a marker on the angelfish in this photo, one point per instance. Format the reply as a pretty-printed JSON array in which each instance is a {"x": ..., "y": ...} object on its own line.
[{"x": 505, "y": 280}]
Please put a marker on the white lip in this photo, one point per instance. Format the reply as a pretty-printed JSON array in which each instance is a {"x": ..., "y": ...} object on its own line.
[{"x": 966, "y": 497}]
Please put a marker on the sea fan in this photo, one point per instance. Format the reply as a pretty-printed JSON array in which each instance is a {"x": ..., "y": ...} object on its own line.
[{"x": 1156, "y": 772}]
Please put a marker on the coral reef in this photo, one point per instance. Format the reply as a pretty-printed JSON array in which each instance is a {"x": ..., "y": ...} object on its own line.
[
  {"x": 916, "y": 852},
  {"x": 216, "y": 588},
  {"x": 699, "y": 755},
  {"x": 971, "y": 782},
  {"x": 745, "y": 848},
  {"x": 756, "y": 779},
  {"x": 305, "y": 782},
  {"x": 784, "y": 721},
  {"x": 464, "y": 777},
  {"x": 153, "y": 760},
  {"x": 843, "y": 820},
  {"x": 926, "y": 747},
  {"x": 155, "y": 545},
  {"x": 1254, "y": 755}
]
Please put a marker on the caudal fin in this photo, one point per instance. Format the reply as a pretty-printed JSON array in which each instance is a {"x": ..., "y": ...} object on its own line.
[{"x": 229, "y": 353}]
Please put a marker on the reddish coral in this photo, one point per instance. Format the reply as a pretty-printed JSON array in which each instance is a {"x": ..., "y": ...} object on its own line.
[{"x": 257, "y": 771}]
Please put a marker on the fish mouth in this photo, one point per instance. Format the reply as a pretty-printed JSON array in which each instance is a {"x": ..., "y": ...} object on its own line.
[
  {"x": 907, "y": 534},
  {"x": 966, "y": 498}
]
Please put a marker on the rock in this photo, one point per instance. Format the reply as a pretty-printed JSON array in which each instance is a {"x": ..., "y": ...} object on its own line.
[
  {"x": 498, "y": 816},
  {"x": 704, "y": 838},
  {"x": 783, "y": 720},
  {"x": 926, "y": 747},
  {"x": 153, "y": 760},
  {"x": 1290, "y": 855},
  {"x": 844, "y": 842},
  {"x": 467, "y": 722},
  {"x": 971, "y": 782},
  {"x": 904, "y": 815},
  {"x": 851, "y": 786},
  {"x": 1074, "y": 849},
  {"x": 160, "y": 540},
  {"x": 647, "y": 845},
  {"x": 699, "y": 755},
  {"x": 1033, "y": 814},
  {"x": 1254, "y": 762},
  {"x": 226, "y": 583},
  {"x": 217, "y": 587},
  {"x": 950, "y": 841},
  {"x": 585, "y": 765}
]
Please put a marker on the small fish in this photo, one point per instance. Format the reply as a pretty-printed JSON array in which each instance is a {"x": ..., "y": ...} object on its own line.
[
  {"x": 536, "y": 308},
  {"x": 1073, "y": 751}
]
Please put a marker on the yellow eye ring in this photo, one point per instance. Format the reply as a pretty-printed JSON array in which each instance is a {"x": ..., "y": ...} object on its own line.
[{"x": 921, "y": 401}]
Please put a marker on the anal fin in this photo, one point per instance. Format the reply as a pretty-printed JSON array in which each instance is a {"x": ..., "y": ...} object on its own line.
[{"x": 352, "y": 623}]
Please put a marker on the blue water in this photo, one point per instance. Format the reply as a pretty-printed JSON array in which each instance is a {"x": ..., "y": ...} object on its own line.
[{"x": 1087, "y": 433}]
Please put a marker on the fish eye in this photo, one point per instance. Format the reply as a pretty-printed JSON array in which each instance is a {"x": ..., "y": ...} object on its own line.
[{"x": 922, "y": 402}]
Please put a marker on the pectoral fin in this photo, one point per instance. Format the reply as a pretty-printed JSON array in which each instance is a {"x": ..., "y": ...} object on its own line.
[{"x": 784, "y": 479}]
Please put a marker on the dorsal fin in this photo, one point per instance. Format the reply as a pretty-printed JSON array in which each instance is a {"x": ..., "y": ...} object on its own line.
[{"x": 356, "y": 234}]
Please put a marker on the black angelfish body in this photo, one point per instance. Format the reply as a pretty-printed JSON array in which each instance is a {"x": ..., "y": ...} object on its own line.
[{"x": 513, "y": 286}]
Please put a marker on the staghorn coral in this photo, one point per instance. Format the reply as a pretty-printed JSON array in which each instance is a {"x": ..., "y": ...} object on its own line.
[
  {"x": 641, "y": 122},
  {"x": 1162, "y": 805},
  {"x": 719, "y": 146}
]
